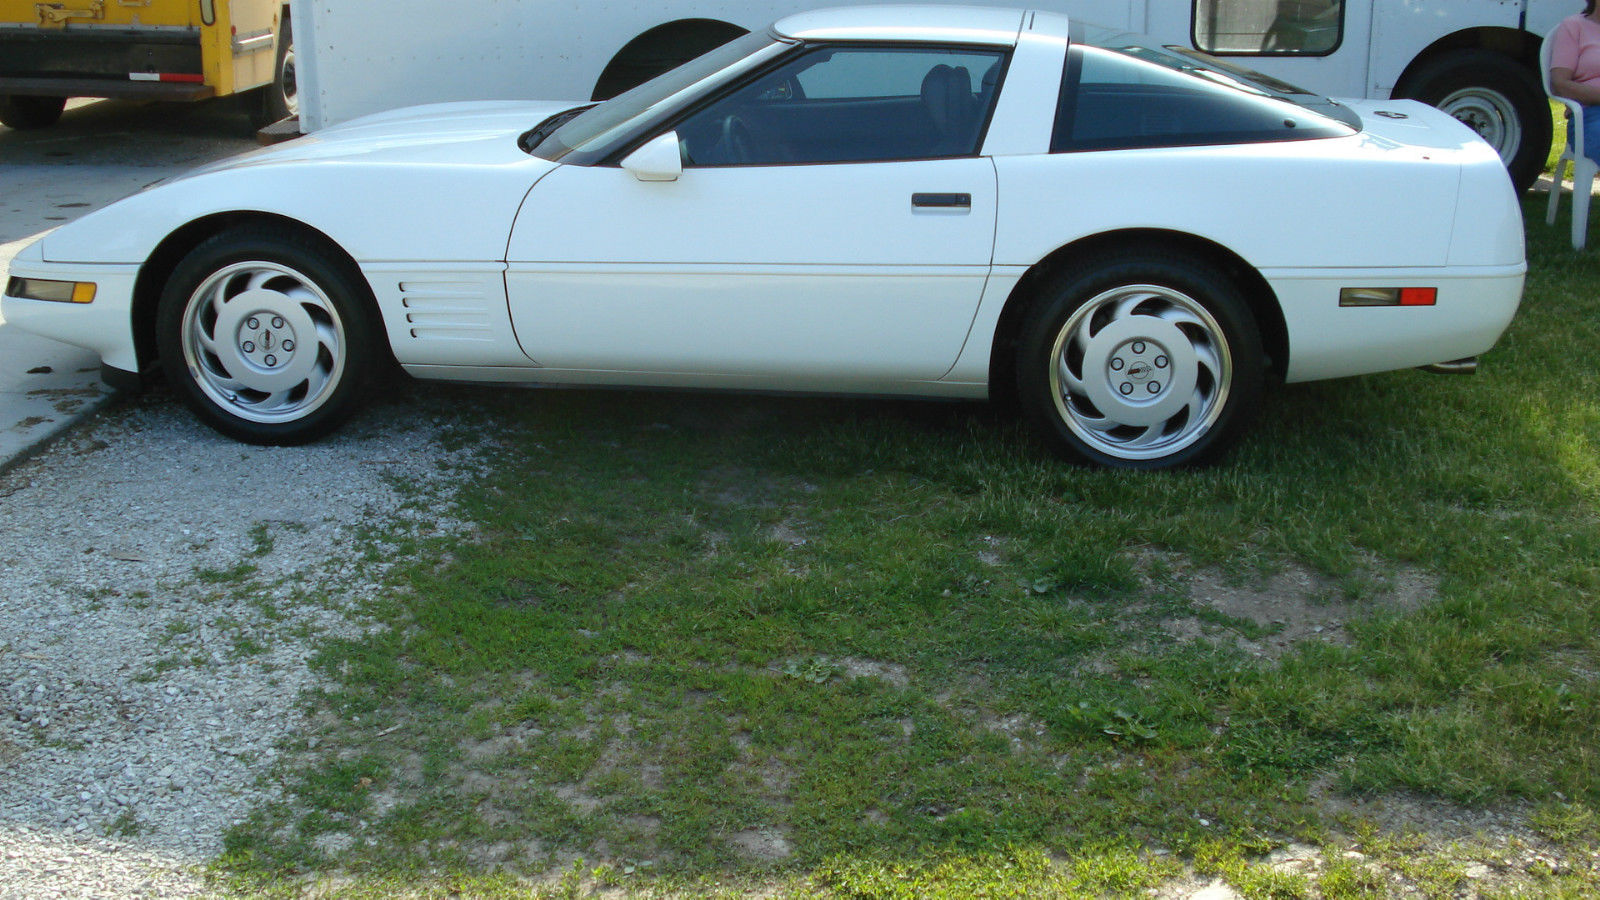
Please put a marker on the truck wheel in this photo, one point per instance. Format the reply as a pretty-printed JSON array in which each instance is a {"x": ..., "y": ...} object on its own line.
[
  {"x": 280, "y": 99},
  {"x": 284, "y": 95},
  {"x": 25, "y": 112},
  {"x": 1493, "y": 96}
]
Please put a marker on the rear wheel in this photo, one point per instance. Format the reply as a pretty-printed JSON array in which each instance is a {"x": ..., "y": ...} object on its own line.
[
  {"x": 1145, "y": 360},
  {"x": 266, "y": 337},
  {"x": 27, "y": 112}
]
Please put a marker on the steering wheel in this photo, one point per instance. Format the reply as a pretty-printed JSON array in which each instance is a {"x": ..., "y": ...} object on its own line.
[{"x": 737, "y": 144}]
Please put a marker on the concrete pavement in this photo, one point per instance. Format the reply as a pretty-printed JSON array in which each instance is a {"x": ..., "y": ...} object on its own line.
[
  {"x": 45, "y": 387},
  {"x": 100, "y": 152}
]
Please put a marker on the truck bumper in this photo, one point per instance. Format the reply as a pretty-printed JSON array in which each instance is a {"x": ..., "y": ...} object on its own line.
[
  {"x": 139, "y": 62},
  {"x": 104, "y": 87}
]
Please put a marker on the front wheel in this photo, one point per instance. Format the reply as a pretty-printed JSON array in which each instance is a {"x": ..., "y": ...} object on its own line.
[
  {"x": 1141, "y": 361},
  {"x": 266, "y": 335}
]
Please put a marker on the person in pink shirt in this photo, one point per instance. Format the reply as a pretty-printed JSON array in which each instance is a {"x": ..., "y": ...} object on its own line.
[{"x": 1575, "y": 69}]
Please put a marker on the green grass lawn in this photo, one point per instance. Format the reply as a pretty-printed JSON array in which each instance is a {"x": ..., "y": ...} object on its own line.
[
  {"x": 1558, "y": 116},
  {"x": 849, "y": 648}
]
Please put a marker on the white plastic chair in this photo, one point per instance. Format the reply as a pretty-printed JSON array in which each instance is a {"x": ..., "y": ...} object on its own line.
[{"x": 1584, "y": 169}]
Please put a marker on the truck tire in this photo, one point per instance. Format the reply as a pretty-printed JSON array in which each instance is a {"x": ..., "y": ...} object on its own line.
[
  {"x": 661, "y": 49},
  {"x": 1496, "y": 97},
  {"x": 280, "y": 99},
  {"x": 284, "y": 93},
  {"x": 26, "y": 112}
]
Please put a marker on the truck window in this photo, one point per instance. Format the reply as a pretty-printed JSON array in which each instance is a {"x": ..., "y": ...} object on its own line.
[{"x": 1269, "y": 27}]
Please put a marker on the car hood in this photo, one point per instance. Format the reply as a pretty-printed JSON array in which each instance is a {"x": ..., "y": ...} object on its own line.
[
  {"x": 479, "y": 132},
  {"x": 456, "y": 162}
]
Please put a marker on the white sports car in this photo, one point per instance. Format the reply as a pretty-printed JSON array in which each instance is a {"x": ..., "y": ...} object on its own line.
[{"x": 934, "y": 201}]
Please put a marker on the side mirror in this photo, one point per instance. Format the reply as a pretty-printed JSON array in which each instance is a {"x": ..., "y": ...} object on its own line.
[{"x": 658, "y": 160}]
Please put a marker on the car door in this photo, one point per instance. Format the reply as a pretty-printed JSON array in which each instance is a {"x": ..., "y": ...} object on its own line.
[{"x": 833, "y": 224}]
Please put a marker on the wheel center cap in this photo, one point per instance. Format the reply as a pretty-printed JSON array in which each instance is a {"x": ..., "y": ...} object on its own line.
[
  {"x": 1137, "y": 370},
  {"x": 266, "y": 340}
]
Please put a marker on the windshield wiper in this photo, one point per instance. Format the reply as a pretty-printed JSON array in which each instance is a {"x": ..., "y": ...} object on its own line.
[{"x": 544, "y": 129}]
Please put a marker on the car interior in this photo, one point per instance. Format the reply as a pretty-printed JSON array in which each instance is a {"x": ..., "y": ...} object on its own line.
[{"x": 834, "y": 106}]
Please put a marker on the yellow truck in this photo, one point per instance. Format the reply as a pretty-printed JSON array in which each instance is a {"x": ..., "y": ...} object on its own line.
[{"x": 143, "y": 49}]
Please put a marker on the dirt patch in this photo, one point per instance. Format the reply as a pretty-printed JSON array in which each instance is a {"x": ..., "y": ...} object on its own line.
[
  {"x": 480, "y": 750},
  {"x": 787, "y": 533},
  {"x": 993, "y": 552},
  {"x": 766, "y": 844},
  {"x": 1022, "y": 732},
  {"x": 1404, "y": 846},
  {"x": 734, "y": 486},
  {"x": 856, "y": 667},
  {"x": 574, "y": 796},
  {"x": 1408, "y": 814},
  {"x": 1266, "y": 616},
  {"x": 1578, "y": 665}
]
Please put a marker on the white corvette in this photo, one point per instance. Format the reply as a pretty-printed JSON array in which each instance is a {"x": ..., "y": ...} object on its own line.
[{"x": 933, "y": 201}]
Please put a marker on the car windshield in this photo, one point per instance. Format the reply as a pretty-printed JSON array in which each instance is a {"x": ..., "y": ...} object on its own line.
[
  {"x": 1217, "y": 71},
  {"x": 591, "y": 135}
]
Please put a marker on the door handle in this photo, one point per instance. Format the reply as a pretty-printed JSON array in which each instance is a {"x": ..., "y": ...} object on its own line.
[{"x": 941, "y": 201}]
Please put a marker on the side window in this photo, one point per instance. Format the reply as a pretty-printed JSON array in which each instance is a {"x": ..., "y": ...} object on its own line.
[
  {"x": 1114, "y": 100},
  {"x": 1268, "y": 27},
  {"x": 851, "y": 104}
]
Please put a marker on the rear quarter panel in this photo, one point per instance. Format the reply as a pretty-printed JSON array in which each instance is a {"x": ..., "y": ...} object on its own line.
[
  {"x": 1342, "y": 201},
  {"x": 1311, "y": 217}
]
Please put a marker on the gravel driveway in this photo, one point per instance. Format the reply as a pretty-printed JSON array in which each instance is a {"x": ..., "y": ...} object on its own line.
[{"x": 164, "y": 588}]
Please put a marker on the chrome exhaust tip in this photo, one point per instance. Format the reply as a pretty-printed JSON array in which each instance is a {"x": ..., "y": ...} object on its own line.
[{"x": 1464, "y": 366}]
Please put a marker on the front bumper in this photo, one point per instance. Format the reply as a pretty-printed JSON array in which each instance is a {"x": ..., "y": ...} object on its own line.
[{"x": 104, "y": 326}]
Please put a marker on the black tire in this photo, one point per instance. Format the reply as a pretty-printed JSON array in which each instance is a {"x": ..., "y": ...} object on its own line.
[
  {"x": 280, "y": 99},
  {"x": 661, "y": 49},
  {"x": 25, "y": 113},
  {"x": 268, "y": 335},
  {"x": 1490, "y": 92},
  {"x": 1143, "y": 359}
]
